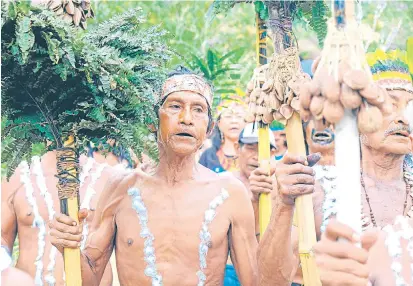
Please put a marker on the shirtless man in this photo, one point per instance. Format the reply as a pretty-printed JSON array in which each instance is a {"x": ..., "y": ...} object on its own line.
[
  {"x": 29, "y": 200},
  {"x": 384, "y": 174},
  {"x": 173, "y": 227}
]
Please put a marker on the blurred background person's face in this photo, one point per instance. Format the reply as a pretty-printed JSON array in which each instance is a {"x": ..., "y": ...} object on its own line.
[
  {"x": 280, "y": 142},
  {"x": 232, "y": 122}
]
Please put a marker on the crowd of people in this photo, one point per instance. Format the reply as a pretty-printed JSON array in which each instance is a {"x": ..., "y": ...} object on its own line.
[{"x": 193, "y": 218}]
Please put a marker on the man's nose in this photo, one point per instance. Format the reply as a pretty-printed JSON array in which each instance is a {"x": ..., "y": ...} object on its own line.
[
  {"x": 185, "y": 116},
  {"x": 401, "y": 120},
  {"x": 255, "y": 156}
]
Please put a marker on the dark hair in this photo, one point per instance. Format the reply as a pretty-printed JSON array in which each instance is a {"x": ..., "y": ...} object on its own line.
[{"x": 181, "y": 70}]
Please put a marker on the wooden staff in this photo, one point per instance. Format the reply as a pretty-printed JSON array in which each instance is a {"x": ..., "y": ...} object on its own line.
[
  {"x": 263, "y": 130},
  {"x": 304, "y": 213},
  {"x": 68, "y": 187}
]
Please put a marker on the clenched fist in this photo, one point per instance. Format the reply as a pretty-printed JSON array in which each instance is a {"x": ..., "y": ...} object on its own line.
[
  {"x": 261, "y": 182},
  {"x": 295, "y": 176}
]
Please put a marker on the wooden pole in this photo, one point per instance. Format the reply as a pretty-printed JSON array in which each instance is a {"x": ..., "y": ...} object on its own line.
[
  {"x": 263, "y": 129},
  {"x": 304, "y": 212},
  {"x": 70, "y": 207}
]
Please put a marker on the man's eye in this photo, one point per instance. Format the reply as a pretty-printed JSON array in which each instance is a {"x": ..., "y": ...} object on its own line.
[
  {"x": 175, "y": 106},
  {"x": 199, "y": 109}
]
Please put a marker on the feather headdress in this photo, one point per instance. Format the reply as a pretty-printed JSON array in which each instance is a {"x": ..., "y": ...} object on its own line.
[{"x": 391, "y": 69}]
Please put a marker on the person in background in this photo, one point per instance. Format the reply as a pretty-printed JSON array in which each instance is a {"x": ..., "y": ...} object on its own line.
[
  {"x": 223, "y": 155},
  {"x": 249, "y": 174},
  {"x": 280, "y": 141}
]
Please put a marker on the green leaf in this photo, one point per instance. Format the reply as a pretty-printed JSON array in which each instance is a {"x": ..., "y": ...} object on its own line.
[
  {"x": 96, "y": 114},
  {"x": 52, "y": 47},
  {"x": 235, "y": 54},
  {"x": 211, "y": 60},
  {"x": 24, "y": 37},
  {"x": 201, "y": 66},
  {"x": 12, "y": 10}
]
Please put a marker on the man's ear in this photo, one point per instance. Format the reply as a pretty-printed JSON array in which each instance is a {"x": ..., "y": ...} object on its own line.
[{"x": 211, "y": 128}]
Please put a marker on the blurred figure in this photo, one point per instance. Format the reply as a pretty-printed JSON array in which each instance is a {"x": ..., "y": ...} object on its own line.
[
  {"x": 249, "y": 173},
  {"x": 12, "y": 276},
  {"x": 280, "y": 142},
  {"x": 223, "y": 155}
]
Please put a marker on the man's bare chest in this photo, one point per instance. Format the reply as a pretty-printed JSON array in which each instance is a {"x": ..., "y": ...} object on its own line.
[{"x": 176, "y": 226}]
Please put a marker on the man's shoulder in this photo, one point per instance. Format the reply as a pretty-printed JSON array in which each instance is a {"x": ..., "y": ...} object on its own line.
[
  {"x": 121, "y": 180},
  {"x": 234, "y": 186}
]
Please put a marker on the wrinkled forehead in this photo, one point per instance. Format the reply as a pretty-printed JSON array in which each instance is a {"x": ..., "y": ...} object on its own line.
[
  {"x": 398, "y": 94},
  {"x": 185, "y": 96},
  {"x": 187, "y": 82}
]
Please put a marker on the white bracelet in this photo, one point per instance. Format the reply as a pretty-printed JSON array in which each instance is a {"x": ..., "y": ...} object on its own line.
[{"x": 5, "y": 258}]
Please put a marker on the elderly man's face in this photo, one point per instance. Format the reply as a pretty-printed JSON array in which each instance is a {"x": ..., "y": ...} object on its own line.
[
  {"x": 183, "y": 122},
  {"x": 393, "y": 136}
]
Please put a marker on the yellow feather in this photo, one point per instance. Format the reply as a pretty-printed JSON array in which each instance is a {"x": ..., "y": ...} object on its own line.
[{"x": 410, "y": 54}]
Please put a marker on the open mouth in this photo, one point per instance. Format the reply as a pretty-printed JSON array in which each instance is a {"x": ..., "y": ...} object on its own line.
[
  {"x": 401, "y": 133},
  {"x": 324, "y": 137},
  {"x": 184, "y": 134}
]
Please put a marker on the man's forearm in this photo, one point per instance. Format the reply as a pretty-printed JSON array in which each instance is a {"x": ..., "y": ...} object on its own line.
[
  {"x": 275, "y": 255},
  {"x": 90, "y": 275}
]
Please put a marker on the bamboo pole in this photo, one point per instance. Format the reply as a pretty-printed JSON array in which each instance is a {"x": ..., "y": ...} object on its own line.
[
  {"x": 304, "y": 213},
  {"x": 70, "y": 207},
  {"x": 263, "y": 129}
]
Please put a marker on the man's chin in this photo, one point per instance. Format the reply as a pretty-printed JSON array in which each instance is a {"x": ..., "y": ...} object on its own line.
[
  {"x": 322, "y": 148},
  {"x": 398, "y": 149},
  {"x": 184, "y": 149}
]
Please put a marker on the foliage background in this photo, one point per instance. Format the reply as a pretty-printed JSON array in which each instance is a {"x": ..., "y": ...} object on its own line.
[
  {"x": 192, "y": 34},
  {"x": 203, "y": 45}
]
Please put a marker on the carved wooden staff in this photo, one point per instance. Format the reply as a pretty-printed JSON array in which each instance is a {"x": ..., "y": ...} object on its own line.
[
  {"x": 263, "y": 130},
  {"x": 68, "y": 190}
]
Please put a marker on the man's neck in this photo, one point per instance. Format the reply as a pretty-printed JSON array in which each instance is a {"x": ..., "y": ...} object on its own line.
[
  {"x": 381, "y": 166},
  {"x": 327, "y": 158},
  {"x": 280, "y": 152},
  {"x": 173, "y": 168}
]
